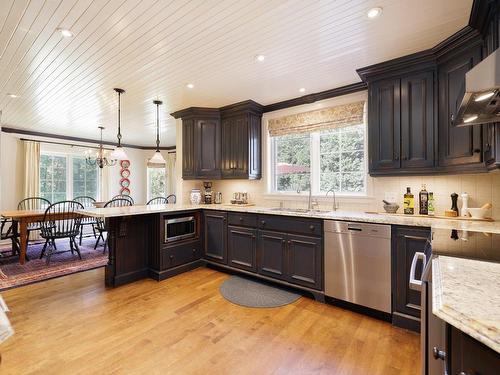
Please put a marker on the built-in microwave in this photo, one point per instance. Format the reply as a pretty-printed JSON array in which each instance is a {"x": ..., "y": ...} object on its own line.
[{"x": 180, "y": 228}]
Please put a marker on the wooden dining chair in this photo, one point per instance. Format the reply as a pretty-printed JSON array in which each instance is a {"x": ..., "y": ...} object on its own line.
[
  {"x": 8, "y": 231},
  {"x": 172, "y": 199},
  {"x": 157, "y": 200},
  {"x": 61, "y": 220},
  {"x": 33, "y": 203},
  {"x": 87, "y": 202},
  {"x": 122, "y": 196},
  {"x": 101, "y": 225}
]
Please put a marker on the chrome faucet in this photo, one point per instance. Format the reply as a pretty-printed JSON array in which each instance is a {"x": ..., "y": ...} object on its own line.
[{"x": 334, "y": 198}]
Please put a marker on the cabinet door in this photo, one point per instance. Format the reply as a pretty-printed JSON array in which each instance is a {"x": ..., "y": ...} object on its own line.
[
  {"x": 215, "y": 236},
  {"x": 227, "y": 170},
  {"x": 208, "y": 138},
  {"x": 458, "y": 146},
  {"x": 417, "y": 121},
  {"x": 242, "y": 248},
  {"x": 188, "y": 154},
  {"x": 384, "y": 124},
  {"x": 271, "y": 252},
  {"x": 305, "y": 261},
  {"x": 235, "y": 145},
  {"x": 406, "y": 301}
]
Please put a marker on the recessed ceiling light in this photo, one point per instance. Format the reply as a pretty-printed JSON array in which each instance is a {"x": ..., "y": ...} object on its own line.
[
  {"x": 470, "y": 118},
  {"x": 374, "y": 12},
  {"x": 65, "y": 33},
  {"x": 13, "y": 96},
  {"x": 302, "y": 89},
  {"x": 189, "y": 85},
  {"x": 260, "y": 58},
  {"x": 484, "y": 96}
]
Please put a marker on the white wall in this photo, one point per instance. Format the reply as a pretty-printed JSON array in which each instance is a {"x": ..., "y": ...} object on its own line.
[
  {"x": 12, "y": 171},
  {"x": 482, "y": 188}
]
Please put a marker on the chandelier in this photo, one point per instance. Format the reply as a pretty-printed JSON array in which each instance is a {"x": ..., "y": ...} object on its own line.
[
  {"x": 157, "y": 157},
  {"x": 99, "y": 158}
]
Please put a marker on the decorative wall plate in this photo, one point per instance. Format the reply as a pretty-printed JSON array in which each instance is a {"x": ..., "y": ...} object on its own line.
[
  {"x": 124, "y": 182},
  {"x": 125, "y": 164},
  {"x": 125, "y": 173},
  {"x": 125, "y": 191}
]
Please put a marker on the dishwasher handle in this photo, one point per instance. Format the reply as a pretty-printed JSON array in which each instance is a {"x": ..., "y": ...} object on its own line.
[{"x": 415, "y": 283}]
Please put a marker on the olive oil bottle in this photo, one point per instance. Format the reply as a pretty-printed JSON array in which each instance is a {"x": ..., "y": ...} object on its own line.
[
  {"x": 431, "y": 210},
  {"x": 409, "y": 202},
  {"x": 423, "y": 201}
]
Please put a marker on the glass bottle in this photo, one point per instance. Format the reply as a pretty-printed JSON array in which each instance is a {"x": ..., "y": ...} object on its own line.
[
  {"x": 409, "y": 202},
  {"x": 423, "y": 200}
]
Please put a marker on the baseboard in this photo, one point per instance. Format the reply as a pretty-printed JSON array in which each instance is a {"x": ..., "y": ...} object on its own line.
[
  {"x": 165, "y": 274},
  {"x": 406, "y": 321}
]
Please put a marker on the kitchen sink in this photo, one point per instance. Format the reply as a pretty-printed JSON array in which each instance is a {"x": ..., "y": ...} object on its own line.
[{"x": 298, "y": 210}]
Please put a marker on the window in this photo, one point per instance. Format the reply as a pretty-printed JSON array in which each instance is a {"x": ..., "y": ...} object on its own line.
[
  {"x": 157, "y": 182},
  {"x": 329, "y": 159},
  {"x": 65, "y": 176}
]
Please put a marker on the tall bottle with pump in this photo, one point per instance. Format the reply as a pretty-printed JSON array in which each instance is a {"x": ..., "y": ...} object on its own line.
[
  {"x": 423, "y": 201},
  {"x": 409, "y": 202}
]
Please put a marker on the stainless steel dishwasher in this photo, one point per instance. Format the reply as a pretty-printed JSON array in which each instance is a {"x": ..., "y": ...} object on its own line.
[{"x": 358, "y": 263}]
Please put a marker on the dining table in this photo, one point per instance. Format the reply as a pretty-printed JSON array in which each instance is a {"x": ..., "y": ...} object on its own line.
[{"x": 21, "y": 220}]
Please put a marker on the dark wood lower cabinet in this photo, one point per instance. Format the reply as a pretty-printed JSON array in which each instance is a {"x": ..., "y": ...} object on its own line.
[
  {"x": 215, "y": 236},
  {"x": 180, "y": 254},
  {"x": 305, "y": 261},
  {"x": 468, "y": 356},
  {"x": 272, "y": 254},
  {"x": 242, "y": 248},
  {"x": 405, "y": 301}
]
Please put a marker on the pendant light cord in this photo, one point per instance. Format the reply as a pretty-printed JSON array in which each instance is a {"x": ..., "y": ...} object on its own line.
[
  {"x": 119, "y": 136},
  {"x": 157, "y": 103}
]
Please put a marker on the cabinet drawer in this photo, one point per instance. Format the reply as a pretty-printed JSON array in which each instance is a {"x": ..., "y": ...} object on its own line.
[
  {"x": 240, "y": 219},
  {"x": 177, "y": 255},
  {"x": 291, "y": 224}
]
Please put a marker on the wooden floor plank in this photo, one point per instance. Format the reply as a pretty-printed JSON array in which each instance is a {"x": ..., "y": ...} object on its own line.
[{"x": 74, "y": 325}]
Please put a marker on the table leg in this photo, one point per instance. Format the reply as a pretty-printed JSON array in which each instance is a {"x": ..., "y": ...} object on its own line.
[{"x": 23, "y": 233}]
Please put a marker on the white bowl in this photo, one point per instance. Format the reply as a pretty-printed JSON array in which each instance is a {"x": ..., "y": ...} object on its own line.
[{"x": 478, "y": 213}]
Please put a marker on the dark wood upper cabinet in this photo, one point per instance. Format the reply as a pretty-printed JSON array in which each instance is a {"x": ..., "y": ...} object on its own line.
[
  {"x": 417, "y": 120},
  {"x": 215, "y": 246},
  {"x": 222, "y": 143},
  {"x": 241, "y": 140},
  {"x": 201, "y": 143},
  {"x": 384, "y": 125},
  {"x": 459, "y": 147}
]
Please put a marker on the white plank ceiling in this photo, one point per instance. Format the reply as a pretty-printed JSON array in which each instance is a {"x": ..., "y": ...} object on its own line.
[{"x": 153, "y": 48}]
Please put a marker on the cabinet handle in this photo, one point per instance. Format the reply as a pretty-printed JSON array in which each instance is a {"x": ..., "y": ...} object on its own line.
[
  {"x": 463, "y": 373},
  {"x": 416, "y": 284},
  {"x": 289, "y": 242},
  {"x": 283, "y": 241},
  {"x": 396, "y": 157},
  {"x": 263, "y": 222},
  {"x": 477, "y": 151},
  {"x": 241, "y": 219},
  {"x": 311, "y": 227},
  {"x": 171, "y": 257},
  {"x": 438, "y": 354},
  {"x": 253, "y": 236},
  {"x": 194, "y": 250}
]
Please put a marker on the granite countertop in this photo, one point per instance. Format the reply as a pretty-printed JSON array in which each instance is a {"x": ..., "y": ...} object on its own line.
[
  {"x": 465, "y": 295},
  {"x": 417, "y": 221}
]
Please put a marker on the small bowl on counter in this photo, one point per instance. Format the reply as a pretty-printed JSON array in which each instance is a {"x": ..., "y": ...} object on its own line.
[
  {"x": 391, "y": 207},
  {"x": 98, "y": 204},
  {"x": 478, "y": 213}
]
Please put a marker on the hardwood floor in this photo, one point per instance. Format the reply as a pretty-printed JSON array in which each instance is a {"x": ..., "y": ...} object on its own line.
[{"x": 73, "y": 325}]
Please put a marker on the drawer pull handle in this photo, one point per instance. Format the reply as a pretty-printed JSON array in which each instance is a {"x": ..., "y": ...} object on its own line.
[
  {"x": 311, "y": 227},
  {"x": 263, "y": 222},
  {"x": 283, "y": 241},
  {"x": 194, "y": 250},
  {"x": 171, "y": 257},
  {"x": 415, "y": 283},
  {"x": 241, "y": 219},
  {"x": 438, "y": 354}
]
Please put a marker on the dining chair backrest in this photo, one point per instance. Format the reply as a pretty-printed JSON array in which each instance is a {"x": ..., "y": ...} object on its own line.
[
  {"x": 61, "y": 220},
  {"x": 157, "y": 200},
  {"x": 118, "y": 202},
  {"x": 33, "y": 203},
  {"x": 171, "y": 198},
  {"x": 122, "y": 196},
  {"x": 85, "y": 201}
]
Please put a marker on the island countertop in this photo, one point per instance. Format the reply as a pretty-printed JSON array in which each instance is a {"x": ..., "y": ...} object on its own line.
[
  {"x": 418, "y": 221},
  {"x": 466, "y": 294}
]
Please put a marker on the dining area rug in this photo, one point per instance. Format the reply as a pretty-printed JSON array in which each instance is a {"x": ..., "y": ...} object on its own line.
[{"x": 13, "y": 274}]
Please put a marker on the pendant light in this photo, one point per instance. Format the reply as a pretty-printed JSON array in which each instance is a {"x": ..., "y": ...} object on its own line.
[
  {"x": 119, "y": 153},
  {"x": 157, "y": 157}
]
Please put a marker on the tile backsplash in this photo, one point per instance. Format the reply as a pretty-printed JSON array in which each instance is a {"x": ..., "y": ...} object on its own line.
[{"x": 482, "y": 188}]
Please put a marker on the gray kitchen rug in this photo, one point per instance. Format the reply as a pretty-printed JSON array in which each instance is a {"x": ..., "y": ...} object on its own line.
[{"x": 249, "y": 293}]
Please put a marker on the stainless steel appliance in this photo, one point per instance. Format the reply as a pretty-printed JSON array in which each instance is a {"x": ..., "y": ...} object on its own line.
[
  {"x": 358, "y": 263},
  {"x": 180, "y": 228}
]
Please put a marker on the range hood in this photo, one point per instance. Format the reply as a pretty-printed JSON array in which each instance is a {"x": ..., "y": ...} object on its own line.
[{"x": 481, "y": 102}]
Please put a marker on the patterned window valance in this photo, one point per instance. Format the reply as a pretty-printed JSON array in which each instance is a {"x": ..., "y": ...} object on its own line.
[{"x": 321, "y": 119}]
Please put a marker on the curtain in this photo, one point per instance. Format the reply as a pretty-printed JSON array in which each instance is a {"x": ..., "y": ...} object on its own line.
[
  {"x": 321, "y": 119},
  {"x": 171, "y": 181},
  {"x": 31, "y": 169}
]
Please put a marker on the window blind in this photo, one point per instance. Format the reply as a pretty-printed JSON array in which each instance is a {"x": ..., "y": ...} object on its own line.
[{"x": 318, "y": 120}]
